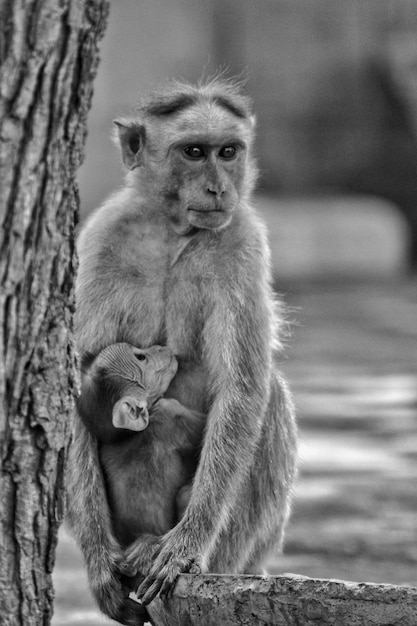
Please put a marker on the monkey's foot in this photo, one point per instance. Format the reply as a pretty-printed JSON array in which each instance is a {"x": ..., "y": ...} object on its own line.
[
  {"x": 132, "y": 613},
  {"x": 114, "y": 601},
  {"x": 163, "y": 575}
]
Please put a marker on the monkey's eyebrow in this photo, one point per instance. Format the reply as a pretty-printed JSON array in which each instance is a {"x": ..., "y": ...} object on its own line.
[
  {"x": 181, "y": 102},
  {"x": 231, "y": 106}
]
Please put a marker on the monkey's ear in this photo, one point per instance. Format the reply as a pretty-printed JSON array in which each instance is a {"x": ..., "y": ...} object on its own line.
[
  {"x": 131, "y": 138},
  {"x": 130, "y": 413}
]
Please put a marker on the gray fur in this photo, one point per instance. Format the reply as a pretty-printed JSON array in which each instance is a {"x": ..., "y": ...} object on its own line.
[{"x": 149, "y": 276}]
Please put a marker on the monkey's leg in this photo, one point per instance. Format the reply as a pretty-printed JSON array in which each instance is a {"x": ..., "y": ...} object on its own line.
[{"x": 89, "y": 519}]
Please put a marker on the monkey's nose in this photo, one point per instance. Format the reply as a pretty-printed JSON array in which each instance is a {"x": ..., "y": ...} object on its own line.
[{"x": 215, "y": 191}]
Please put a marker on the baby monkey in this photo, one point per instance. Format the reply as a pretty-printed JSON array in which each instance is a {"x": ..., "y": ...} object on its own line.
[{"x": 148, "y": 445}]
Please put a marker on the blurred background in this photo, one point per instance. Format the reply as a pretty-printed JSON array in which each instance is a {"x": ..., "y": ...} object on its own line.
[{"x": 334, "y": 84}]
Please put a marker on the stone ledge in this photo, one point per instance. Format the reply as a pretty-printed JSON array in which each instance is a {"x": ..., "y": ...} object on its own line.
[{"x": 224, "y": 600}]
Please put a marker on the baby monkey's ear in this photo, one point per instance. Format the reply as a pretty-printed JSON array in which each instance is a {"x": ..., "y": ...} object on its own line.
[{"x": 130, "y": 413}]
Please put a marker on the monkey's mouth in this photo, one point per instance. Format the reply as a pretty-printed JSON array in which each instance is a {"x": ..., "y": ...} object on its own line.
[
  {"x": 210, "y": 219},
  {"x": 197, "y": 210}
]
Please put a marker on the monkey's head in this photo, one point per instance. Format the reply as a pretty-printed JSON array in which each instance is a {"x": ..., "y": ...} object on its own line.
[
  {"x": 189, "y": 151},
  {"x": 121, "y": 384}
]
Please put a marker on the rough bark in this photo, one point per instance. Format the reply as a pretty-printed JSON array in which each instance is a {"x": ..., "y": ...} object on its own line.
[
  {"x": 289, "y": 600},
  {"x": 48, "y": 53}
]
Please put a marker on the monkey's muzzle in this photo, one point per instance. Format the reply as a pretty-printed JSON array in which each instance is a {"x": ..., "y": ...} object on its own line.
[{"x": 210, "y": 219}]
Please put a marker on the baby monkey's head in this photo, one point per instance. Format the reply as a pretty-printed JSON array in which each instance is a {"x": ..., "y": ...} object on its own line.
[{"x": 132, "y": 380}]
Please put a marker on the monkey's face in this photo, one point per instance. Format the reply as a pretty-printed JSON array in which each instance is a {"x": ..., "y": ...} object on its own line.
[
  {"x": 205, "y": 182},
  {"x": 205, "y": 168},
  {"x": 194, "y": 162},
  {"x": 134, "y": 370},
  {"x": 127, "y": 367},
  {"x": 133, "y": 379},
  {"x": 158, "y": 367}
]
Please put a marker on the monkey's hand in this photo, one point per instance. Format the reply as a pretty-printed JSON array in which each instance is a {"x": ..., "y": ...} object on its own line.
[
  {"x": 169, "y": 407},
  {"x": 140, "y": 555},
  {"x": 175, "y": 557}
]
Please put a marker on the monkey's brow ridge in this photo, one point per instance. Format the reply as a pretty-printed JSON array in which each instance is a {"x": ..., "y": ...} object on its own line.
[
  {"x": 179, "y": 103},
  {"x": 231, "y": 106},
  {"x": 185, "y": 101}
]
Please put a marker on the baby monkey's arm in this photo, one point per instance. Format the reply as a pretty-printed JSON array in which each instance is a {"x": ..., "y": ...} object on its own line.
[{"x": 189, "y": 424}]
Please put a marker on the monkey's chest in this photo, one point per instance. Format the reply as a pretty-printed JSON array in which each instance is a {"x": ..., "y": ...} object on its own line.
[
  {"x": 184, "y": 313},
  {"x": 136, "y": 291}
]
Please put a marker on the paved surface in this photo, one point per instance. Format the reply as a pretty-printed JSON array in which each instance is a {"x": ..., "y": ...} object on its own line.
[
  {"x": 353, "y": 367},
  {"x": 352, "y": 363}
]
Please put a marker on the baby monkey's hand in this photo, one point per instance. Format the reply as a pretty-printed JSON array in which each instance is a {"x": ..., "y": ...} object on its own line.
[{"x": 169, "y": 407}]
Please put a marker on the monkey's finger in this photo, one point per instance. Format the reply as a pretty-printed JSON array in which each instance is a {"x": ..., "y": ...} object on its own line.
[
  {"x": 168, "y": 585},
  {"x": 153, "y": 574},
  {"x": 145, "y": 585},
  {"x": 128, "y": 569},
  {"x": 152, "y": 591}
]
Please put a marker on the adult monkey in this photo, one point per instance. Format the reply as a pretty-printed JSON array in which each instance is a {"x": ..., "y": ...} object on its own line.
[{"x": 179, "y": 258}]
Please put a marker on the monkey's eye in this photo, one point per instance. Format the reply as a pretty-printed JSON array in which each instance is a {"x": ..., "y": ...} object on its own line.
[
  {"x": 194, "y": 152},
  {"x": 227, "y": 152},
  {"x": 140, "y": 357}
]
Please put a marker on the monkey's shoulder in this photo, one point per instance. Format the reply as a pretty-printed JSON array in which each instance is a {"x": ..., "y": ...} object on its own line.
[{"x": 120, "y": 233}]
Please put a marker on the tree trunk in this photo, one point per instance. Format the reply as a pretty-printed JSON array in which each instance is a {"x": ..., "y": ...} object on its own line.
[
  {"x": 48, "y": 54},
  {"x": 287, "y": 600}
]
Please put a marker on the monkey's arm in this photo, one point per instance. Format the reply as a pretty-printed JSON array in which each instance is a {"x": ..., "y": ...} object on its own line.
[
  {"x": 238, "y": 338},
  {"x": 188, "y": 425},
  {"x": 88, "y": 516}
]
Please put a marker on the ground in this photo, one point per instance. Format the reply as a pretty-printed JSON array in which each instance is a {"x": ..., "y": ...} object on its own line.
[
  {"x": 353, "y": 369},
  {"x": 352, "y": 365}
]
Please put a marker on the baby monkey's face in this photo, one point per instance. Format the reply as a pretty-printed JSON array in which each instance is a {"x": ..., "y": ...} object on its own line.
[{"x": 139, "y": 378}]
